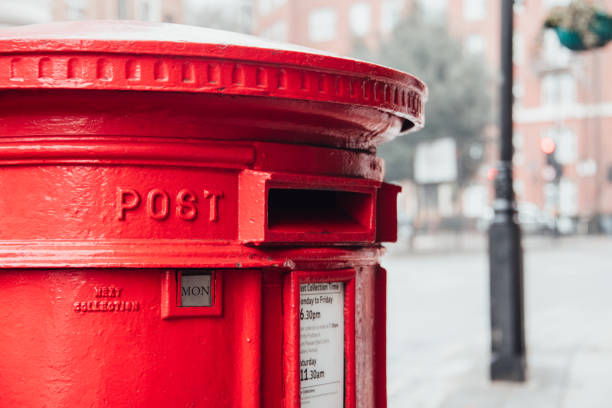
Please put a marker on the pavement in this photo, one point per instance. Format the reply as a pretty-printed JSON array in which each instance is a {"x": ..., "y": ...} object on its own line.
[{"x": 438, "y": 325}]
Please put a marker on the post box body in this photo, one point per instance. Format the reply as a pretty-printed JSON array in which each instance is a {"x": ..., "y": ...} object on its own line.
[{"x": 190, "y": 222}]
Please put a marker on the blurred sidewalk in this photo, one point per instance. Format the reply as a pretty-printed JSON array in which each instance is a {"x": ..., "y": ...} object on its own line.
[
  {"x": 462, "y": 241},
  {"x": 438, "y": 328}
]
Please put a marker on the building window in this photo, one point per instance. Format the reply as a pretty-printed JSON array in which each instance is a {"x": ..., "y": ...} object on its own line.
[
  {"x": 390, "y": 14},
  {"x": 568, "y": 197},
  {"x": 122, "y": 8},
  {"x": 555, "y": 3},
  {"x": 322, "y": 24},
  {"x": 145, "y": 11},
  {"x": 433, "y": 9},
  {"x": 558, "y": 88},
  {"x": 474, "y": 10},
  {"x": 518, "y": 91},
  {"x": 567, "y": 146},
  {"x": 75, "y": 9},
  {"x": 266, "y": 6},
  {"x": 474, "y": 44},
  {"x": 553, "y": 53},
  {"x": 518, "y": 48},
  {"x": 518, "y": 141},
  {"x": 276, "y": 32},
  {"x": 566, "y": 151},
  {"x": 148, "y": 10},
  {"x": 359, "y": 17},
  {"x": 551, "y": 199},
  {"x": 519, "y": 6},
  {"x": 519, "y": 188}
]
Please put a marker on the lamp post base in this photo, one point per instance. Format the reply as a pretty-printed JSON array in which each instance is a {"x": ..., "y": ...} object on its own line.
[{"x": 508, "y": 362}]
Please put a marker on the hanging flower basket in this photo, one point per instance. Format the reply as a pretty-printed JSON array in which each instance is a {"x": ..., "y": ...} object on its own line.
[{"x": 580, "y": 26}]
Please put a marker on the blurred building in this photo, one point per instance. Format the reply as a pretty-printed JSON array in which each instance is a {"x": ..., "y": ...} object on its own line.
[
  {"x": 21, "y": 12},
  {"x": 331, "y": 25},
  {"x": 568, "y": 97},
  {"x": 242, "y": 15},
  {"x": 231, "y": 15},
  {"x": 559, "y": 94},
  {"x": 170, "y": 11}
]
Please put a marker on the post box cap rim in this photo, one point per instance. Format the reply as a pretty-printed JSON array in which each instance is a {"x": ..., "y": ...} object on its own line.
[{"x": 29, "y": 48}]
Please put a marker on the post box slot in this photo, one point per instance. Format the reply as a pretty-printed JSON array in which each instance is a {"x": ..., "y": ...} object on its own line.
[{"x": 319, "y": 211}]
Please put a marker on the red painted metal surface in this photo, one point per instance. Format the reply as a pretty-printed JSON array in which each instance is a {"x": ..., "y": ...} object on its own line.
[{"x": 134, "y": 154}]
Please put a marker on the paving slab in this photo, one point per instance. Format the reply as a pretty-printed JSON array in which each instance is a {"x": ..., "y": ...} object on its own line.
[{"x": 438, "y": 327}]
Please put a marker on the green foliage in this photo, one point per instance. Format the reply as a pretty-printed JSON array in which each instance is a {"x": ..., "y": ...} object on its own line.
[{"x": 459, "y": 100}]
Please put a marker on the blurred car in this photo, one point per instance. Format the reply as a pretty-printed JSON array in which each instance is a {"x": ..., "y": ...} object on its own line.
[
  {"x": 405, "y": 227},
  {"x": 531, "y": 219}
]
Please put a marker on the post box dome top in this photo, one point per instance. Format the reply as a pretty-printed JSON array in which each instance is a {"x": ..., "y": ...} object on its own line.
[{"x": 139, "y": 56}]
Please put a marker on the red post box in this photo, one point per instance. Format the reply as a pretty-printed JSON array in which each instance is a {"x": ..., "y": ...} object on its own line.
[{"x": 191, "y": 219}]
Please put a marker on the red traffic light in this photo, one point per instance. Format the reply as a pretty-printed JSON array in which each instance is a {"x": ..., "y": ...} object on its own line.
[
  {"x": 492, "y": 173},
  {"x": 547, "y": 145}
]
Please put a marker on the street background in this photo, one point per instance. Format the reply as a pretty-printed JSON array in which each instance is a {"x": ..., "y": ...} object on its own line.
[{"x": 438, "y": 277}]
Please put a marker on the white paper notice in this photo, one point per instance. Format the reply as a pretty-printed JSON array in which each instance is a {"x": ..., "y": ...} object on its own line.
[{"x": 322, "y": 345}]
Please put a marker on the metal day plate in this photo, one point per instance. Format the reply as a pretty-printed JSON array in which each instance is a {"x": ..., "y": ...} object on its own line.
[
  {"x": 196, "y": 290},
  {"x": 322, "y": 345}
]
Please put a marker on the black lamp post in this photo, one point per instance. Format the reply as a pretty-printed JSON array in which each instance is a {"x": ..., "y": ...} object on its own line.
[{"x": 505, "y": 252}]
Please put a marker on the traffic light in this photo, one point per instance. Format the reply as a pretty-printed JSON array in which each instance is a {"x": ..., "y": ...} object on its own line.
[{"x": 549, "y": 147}]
